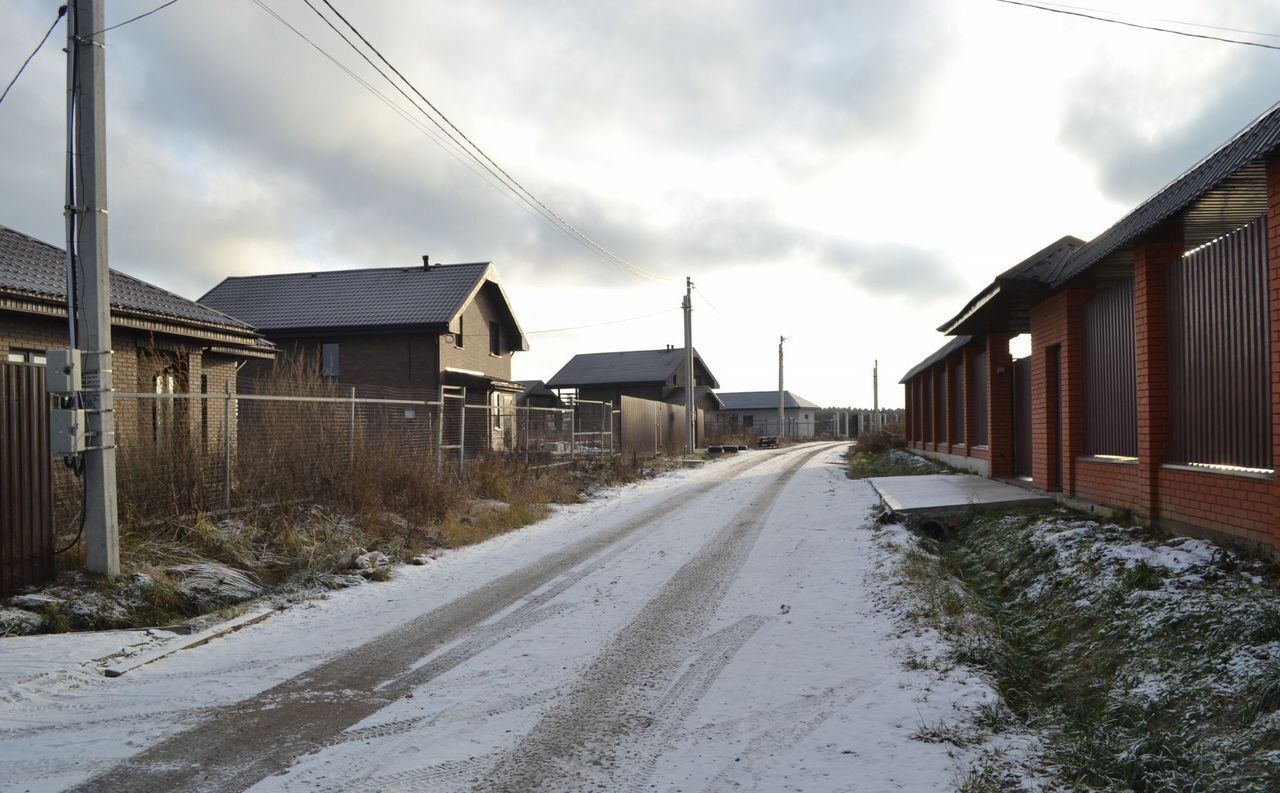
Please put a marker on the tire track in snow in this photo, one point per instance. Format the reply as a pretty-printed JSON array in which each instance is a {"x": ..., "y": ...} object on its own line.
[
  {"x": 247, "y": 741},
  {"x": 581, "y": 744}
]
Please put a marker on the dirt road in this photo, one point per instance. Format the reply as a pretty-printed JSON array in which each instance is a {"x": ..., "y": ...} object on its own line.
[{"x": 718, "y": 631}]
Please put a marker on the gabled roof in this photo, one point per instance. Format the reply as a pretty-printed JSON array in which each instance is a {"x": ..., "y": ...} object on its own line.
[
  {"x": 763, "y": 400},
  {"x": 945, "y": 350},
  {"x": 677, "y": 397},
  {"x": 1218, "y": 211},
  {"x": 633, "y": 366},
  {"x": 33, "y": 269},
  {"x": 1007, "y": 300},
  {"x": 377, "y": 297}
]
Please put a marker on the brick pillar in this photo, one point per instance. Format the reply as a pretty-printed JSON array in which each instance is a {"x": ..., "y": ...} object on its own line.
[
  {"x": 1151, "y": 331},
  {"x": 966, "y": 380},
  {"x": 1072, "y": 386},
  {"x": 1273, "y": 286},
  {"x": 999, "y": 405}
]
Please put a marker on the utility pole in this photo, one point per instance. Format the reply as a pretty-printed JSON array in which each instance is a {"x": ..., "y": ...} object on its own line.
[
  {"x": 690, "y": 408},
  {"x": 782, "y": 408},
  {"x": 89, "y": 297},
  {"x": 875, "y": 394}
]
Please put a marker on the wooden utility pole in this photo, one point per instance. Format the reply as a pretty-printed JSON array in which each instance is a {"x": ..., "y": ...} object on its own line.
[
  {"x": 89, "y": 296},
  {"x": 690, "y": 408}
]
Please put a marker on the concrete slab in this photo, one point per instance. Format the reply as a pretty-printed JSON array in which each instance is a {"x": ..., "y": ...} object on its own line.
[{"x": 939, "y": 495}]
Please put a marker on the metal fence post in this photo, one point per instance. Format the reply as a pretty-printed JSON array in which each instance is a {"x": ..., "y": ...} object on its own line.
[
  {"x": 462, "y": 435},
  {"x": 226, "y": 448},
  {"x": 440, "y": 433},
  {"x": 573, "y": 432},
  {"x": 351, "y": 432}
]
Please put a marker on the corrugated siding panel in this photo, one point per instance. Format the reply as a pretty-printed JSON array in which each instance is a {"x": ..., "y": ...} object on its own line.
[
  {"x": 26, "y": 479},
  {"x": 1219, "y": 353},
  {"x": 978, "y": 378},
  {"x": 1110, "y": 374},
  {"x": 956, "y": 390}
]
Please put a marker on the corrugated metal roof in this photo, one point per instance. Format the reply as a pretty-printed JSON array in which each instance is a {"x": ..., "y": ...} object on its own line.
[
  {"x": 369, "y": 297},
  {"x": 951, "y": 346},
  {"x": 1237, "y": 159},
  {"x": 763, "y": 400},
  {"x": 631, "y": 366},
  {"x": 33, "y": 268}
]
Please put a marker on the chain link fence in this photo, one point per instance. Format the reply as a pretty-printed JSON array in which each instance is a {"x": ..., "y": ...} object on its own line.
[{"x": 190, "y": 453}]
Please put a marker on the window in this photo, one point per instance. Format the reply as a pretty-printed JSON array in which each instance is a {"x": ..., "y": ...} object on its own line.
[
  {"x": 748, "y": 421},
  {"x": 495, "y": 401},
  {"x": 495, "y": 339},
  {"x": 166, "y": 384},
  {"x": 25, "y": 356},
  {"x": 458, "y": 339},
  {"x": 330, "y": 365}
]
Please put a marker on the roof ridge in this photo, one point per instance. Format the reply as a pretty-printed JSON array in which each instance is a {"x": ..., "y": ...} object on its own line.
[{"x": 387, "y": 268}]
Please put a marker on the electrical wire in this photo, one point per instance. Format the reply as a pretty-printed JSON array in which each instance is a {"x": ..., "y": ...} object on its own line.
[
  {"x": 1184, "y": 23},
  {"x": 1126, "y": 23},
  {"x": 600, "y": 324},
  {"x": 480, "y": 155},
  {"x": 160, "y": 7},
  {"x": 62, "y": 11},
  {"x": 386, "y": 100}
]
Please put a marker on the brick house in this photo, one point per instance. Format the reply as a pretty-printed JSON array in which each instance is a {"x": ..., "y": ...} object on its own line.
[
  {"x": 1153, "y": 383},
  {"x": 162, "y": 343},
  {"x": 417, "y": 329}
]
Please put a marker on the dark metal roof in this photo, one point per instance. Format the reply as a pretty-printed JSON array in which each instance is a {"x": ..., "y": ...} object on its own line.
[
  {"x": 632, "y": 366},
  {"x": 31, "y": 268},
  {"x": 763, "y": 400},
  {"x": 1220, "y": 193},
  {"x": 380, "y": 297},
  {"x": 945, "y": 350},
  {"x": 1007, "y": 300},
  {"x": 677, "y": 396}
]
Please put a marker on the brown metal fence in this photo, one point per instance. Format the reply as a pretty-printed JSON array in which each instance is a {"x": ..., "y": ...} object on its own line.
[
  {"x": 650, "y": 428},
  {"x": 1219, "y": 353},
  {"x": 1022, "y": 417},
  {"x": 26, "y": 479},
  {"x": 978, "y": 379},
  {"x": 955, "y": 389},
  {"x": 1110, "y": 374}
]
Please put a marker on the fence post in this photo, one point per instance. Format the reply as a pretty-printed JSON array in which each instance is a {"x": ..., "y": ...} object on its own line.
[
  {"x": 440, "y": 433},
  {"x": 462, "y": 435},
  {"x": 351, "y": 432},
  {"x": 226, "y": 447},
  {"x": 573, "y": 432}
]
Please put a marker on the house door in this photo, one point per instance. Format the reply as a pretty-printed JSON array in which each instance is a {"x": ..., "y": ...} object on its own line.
[{"x": 1022, "y": 417}]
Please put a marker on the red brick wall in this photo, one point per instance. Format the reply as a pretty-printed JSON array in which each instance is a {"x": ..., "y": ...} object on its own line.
[
  {"x": 1240, "y": 506},
  {"x": 1113, "y": 484}
]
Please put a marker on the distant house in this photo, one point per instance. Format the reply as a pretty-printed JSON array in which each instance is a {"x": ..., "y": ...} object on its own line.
[
  {"x": 757, "y": 412},
  {"x": 536, "y": 394},
  {"x": 161, "y": 343},
  {"x": 412, "y": 328},
  {"x": 658, "y": 375}
]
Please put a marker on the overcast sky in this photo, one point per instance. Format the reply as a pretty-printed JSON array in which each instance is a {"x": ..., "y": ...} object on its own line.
[{"x": 845, "y": 173}]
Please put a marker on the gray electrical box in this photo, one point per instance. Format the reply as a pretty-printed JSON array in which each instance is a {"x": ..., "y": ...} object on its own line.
[
  {"x": 62, "y": 371},
  {"x": 66, "y": 431}
]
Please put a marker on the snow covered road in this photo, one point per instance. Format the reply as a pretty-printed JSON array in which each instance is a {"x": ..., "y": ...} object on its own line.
[{"x": 728, "y": 628}]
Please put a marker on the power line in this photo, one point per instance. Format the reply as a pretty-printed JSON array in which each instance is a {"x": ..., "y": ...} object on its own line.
[
  {"x": 1184, "y": 23},
  {"x": 514, "y": 184},
  {"x": 160, "y": 7},
  {"x": 62, "y": 11},
  {"x": 386, "y": 100},
  {"x": 600, "y": 324},
  {"x": 1140, "y": 26}
]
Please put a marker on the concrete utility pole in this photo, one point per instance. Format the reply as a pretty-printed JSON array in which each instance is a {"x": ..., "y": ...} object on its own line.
[
  {"x": 89, "y": 298},
  {"x": 782, "y": 407},
  {"x": 875, "y": 393},
  {"x": 690, "y": 408}
]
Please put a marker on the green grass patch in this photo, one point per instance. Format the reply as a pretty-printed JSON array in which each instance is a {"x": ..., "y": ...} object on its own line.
[
  {"x": 1147, "y": 663},
  {"x": 892, "y": 462}
]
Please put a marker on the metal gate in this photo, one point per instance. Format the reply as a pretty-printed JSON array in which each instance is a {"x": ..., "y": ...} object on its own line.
[
  {"x": 26, "y": 479},
  {"x": 1022, "y": 417}
]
